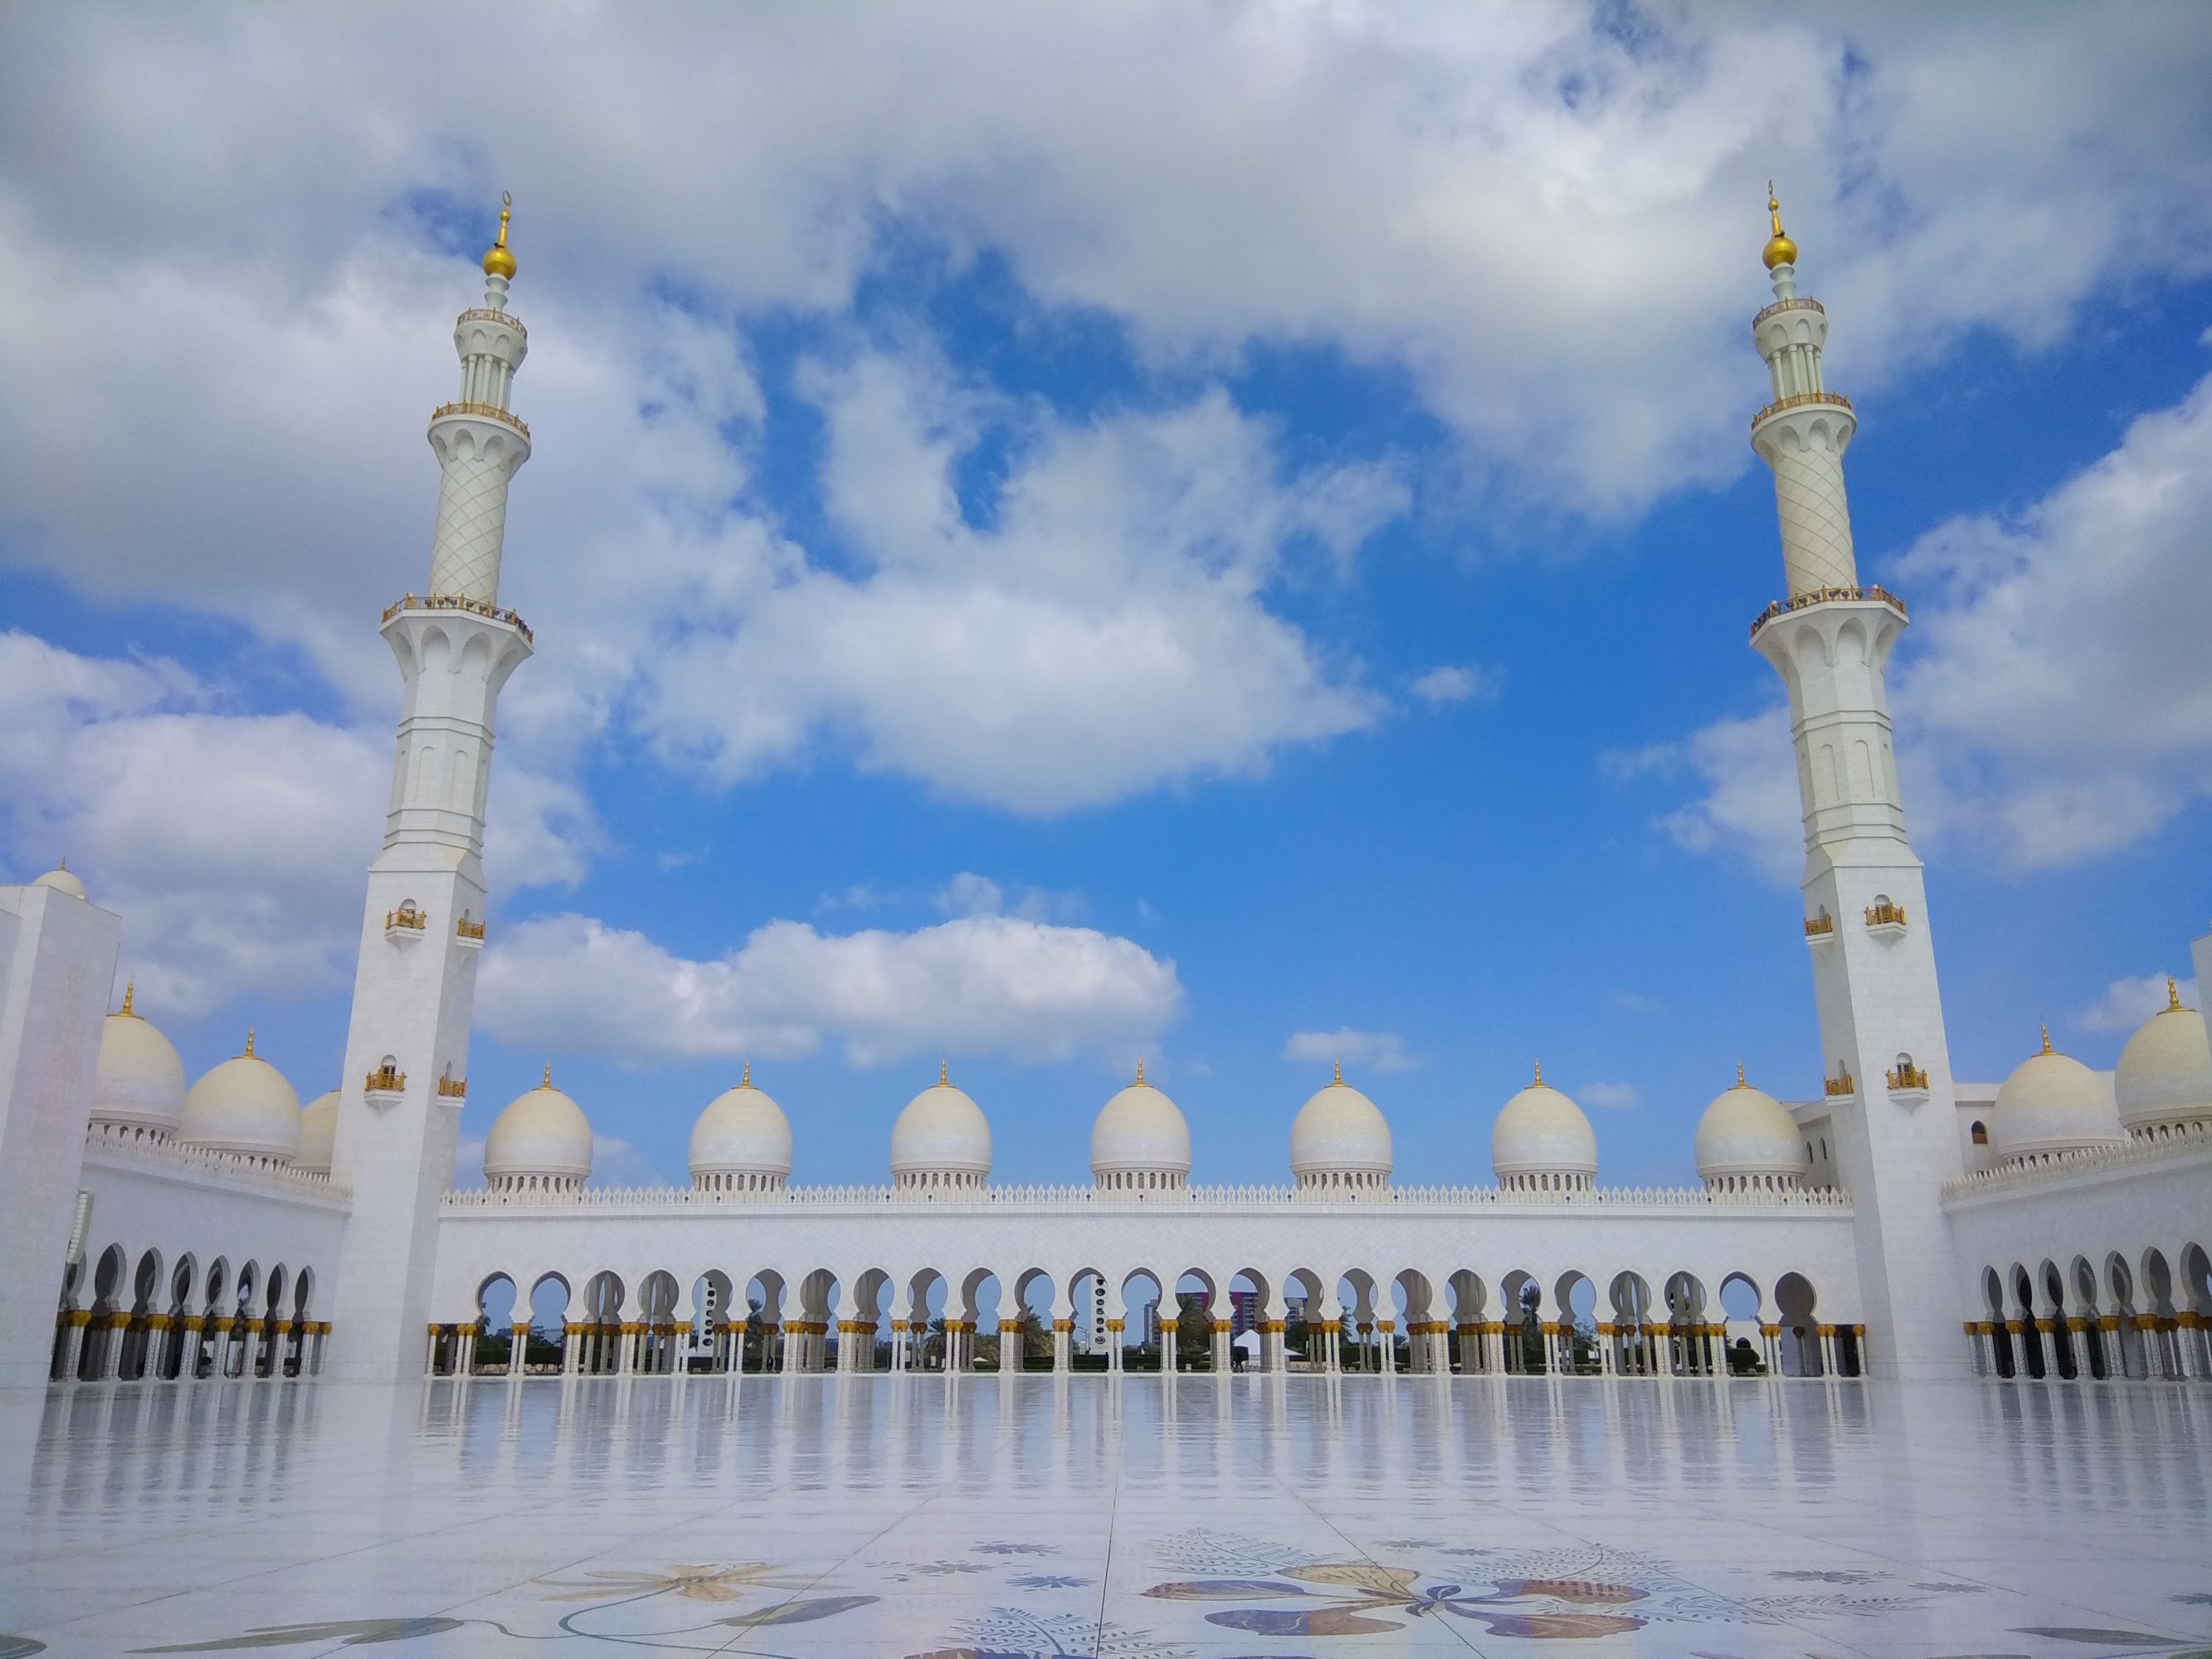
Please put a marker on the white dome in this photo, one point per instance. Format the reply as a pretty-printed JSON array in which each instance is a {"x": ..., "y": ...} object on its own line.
[
  {"x": 319, "y": 1128},
  {"x": 1748, "y": 1135},
  {"x": 62, "y": 881},
  {"x": 1540, "y": 1132},
  {"x": 2165, "y": 1073},
  {"x": 2052, "y": 1103},
  {"x": 941, "y": 1133},
  {"x": 1138, "y": 1132},
  {"x": 1339, "y": 1131},
  {"x": 140, "y": 1084},
  {"x": 243, "y": 1106},
  {"x": 541, "y": 1134},
  {"x": 741, "y": 1132}
]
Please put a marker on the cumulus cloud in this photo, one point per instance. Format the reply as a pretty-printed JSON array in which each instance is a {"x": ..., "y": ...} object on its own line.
[
  {"x": 234, "y": 846},
  {"x": 2051, "y": 696},
  {"x": 975, "y": 984},
  {"x": 1450, "y": 683},
  {"x": 970, "y": 895},
  {"x": 1613, "y": 1097},
  {"x": 2129, "y": 1001},
  {"x": 1382, "y": 1051}
]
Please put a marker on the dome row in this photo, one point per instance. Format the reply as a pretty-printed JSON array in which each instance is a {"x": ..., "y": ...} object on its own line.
[
  {"x": 2053, "y": 1103},
  {"x": 1140, "y": 1143},
  {"x": 244, "y": 1107}
]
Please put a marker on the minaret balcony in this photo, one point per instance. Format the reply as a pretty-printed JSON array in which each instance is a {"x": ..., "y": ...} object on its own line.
[
  {"x": 406, "y": 924},
  {"x": 469, "y": 935},
  {"x": 1873, "y": 591},
  {"x": 487, "y": 412},
  {"x": 1820, "y": 929},
  {"x": 1840, "y": 1086},
  {"x": 1800, "y": 400},
  {"x": 1884, "y": 920},
  {"x": 453, "y": 1088},
  {"x": 1908, "y": 1083},
  {"x": 458, "y": 602},
  {"x": 386, "y": 1086}
]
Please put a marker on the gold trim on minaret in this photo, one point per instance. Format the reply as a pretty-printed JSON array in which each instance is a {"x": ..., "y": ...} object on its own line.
[
  {"x": 2172, "y": 997},
  {"x": 2046, "y": 1036},
  {"x": 944, "y": 1075},
  {"x": 497, "y": 261},
  {"x": 1780, "y": 250}
]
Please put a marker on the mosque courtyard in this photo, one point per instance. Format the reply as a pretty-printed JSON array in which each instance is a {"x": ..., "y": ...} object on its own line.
[{"x": 1203, "y": 1516}]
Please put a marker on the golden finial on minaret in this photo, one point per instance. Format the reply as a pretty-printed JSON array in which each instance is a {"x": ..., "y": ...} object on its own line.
[
  {"x": 1140, "y": 1067},
  {"x": 2172, "y": 997},
  {"x": 1338, "y": 1066},
  {"x": 548, "y": 1082},
  {"x": 2046, "y": 1036},
  {"x": 497, "y": 261},
  {"x": 1780, "y": 250},
  {"x": 249, "y": 1041},
  {"x": 1740, "y": 1082},
  {"x": 130, "y": 985},
  {"x": 745, "y": 1080}
]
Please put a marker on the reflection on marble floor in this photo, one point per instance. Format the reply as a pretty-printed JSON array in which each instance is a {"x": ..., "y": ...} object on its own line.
[{"x": 1205, "y": 1517}]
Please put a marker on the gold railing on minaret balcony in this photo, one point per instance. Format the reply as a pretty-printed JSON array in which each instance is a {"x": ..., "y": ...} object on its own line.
[
  {"x": 1885, "y": 914},
  {"x": 458, "y": 602},
  {"x": 1820, "y": 595},
  {"x": 1779, "y": 307},
  {"x": 480, "y": 315},
  {"x": 385, "y": 1079},
  {"x": 454, "y": 1088},
  {"x": 465, "y": 928},
  {"x": 1903, "y": 1079},
  {"x": 1798, "y": 400},
  {"x": 489, "y": 411},
  {"x": 1842, "y": 1084},
  {"x": 406, "y": 916},
  {"x": 1820, "y": 926}
]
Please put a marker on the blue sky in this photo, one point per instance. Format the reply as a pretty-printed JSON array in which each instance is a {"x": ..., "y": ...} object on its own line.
[{"x": 1058, "y": 538}]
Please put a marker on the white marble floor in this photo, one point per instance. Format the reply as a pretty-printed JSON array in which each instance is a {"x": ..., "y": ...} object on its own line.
[{"x": 1208, "y": 1517}]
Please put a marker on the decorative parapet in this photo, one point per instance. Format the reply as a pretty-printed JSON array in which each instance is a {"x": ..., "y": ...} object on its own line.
[
  {"x": 1842, "y": 1084},
  {"x": 454, "y": 1088},
  {"x": 479, "y": 314},
  {"x": 206, "y": 1160},
  {"x": 385, "y": 1079},
  {"x": 467, "y": 932},
  {"x": 1779, "y": 307},
  {"x": 1071, "y": 1197},
  {"x": 1823, "y": 595},
  {"x": 1820, "y": 926},
  {"x": 1906, "y": 1079},
  {"x": 2194, "y": 1140},
  {"x": 458, "y": 602},
  {"x": 1886, "y": 915},
  {"x": 406, "y": 924},
  {"x": 1799, "y": 399},
  {"x": 489, "y": 411}
]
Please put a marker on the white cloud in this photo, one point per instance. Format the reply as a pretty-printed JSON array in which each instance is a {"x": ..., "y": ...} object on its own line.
[
  {"x": 234, "y": 846},
  {"x": 2127, "y": 1002},
  {"x": 1613, "y": 1097},
  {"x": 970, "y": 895},
  {"x": 1450, "y": 684},
  {"x": 973, "y": 984},
  {"x": 2051, "y": 696},
  {"x": 1384, "y": 1051}
]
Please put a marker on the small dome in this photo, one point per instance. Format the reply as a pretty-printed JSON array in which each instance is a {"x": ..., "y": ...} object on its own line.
[
  {"x": 140, "y": 1084},
  {"x": 2164, "y": 1075},
  {"x": 2052, "y": 1103},
  {"x": 1540, "y": 1132},
  {"x": 1747, "y": 1136},
  {"x": 318, "y": 1127},
  {"x": 1140, "y": 1133},
  {"x": 741, "y": 1132},
  {"x": 1780, "y": 250},
  {"x": 1340, "y": 1132},
  {"x": 62, "y": 881},
  {"x": 243, "y": 1106},
  {"x": 541, "y": 1134},
  {"x": 941, "y": 1133}
]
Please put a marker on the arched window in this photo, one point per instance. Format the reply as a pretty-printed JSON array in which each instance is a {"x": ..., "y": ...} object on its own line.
[{"x": 1979, "y": 1134}]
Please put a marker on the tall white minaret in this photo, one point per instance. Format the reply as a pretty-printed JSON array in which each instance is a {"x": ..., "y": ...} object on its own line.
[
  {"x": 407, "y": 1047},
  {"x": 1886, "y": 1059}
]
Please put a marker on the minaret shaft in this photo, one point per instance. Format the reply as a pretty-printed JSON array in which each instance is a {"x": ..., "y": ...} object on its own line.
[
  {"x": 422, "y": 923},
  {"x": 1892, "y": 1130}
]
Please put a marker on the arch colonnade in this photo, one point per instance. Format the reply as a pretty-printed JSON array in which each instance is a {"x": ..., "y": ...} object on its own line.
[
  {"x": 152, "y": 1320},
  {"x": 2096, "y": 1320}
]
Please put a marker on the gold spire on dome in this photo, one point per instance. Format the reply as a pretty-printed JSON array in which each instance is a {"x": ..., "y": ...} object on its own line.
[
  {"x": 548, "y": 1082},
  {"x": 1538, "y": 1083},
  {"x": 497, "y": 261},
  {"x": 129, "y": 986},
  {"x": 1141, "y": 1084},
  {"x": 249, "y": 1042},
  {"x": 1780, "y": 250},
  {"x": 1338, "y": 1066},
  {"x": 2172, "y": 997},
  {"x": 1740, "y": 1082},
  {"x": 944, "y": 1075},
  {"x": 2046, "y": 1036},
  {"x": 746, "y": 1078}
]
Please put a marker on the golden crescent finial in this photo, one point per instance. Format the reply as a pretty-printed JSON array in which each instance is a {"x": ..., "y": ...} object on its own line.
[
  {"x": 547, "y": 1082},
  {"x": 130, "y": 985},
  {"x": 1780, "y": 250},
  {"x": 1740, "y": 1082},
  {"x": 2172, "y": 996},
  {"x": 745, "y": 1080},
  {"x": 944, "y": 1075},
  {"x": 2046, "y": 1035},
  {"x": 1338, "y": 1066},
  {"x": 1539, "y": 1076},
  {"x": 1140, "y": 1072},
  {"x": 497, "y": 261}
]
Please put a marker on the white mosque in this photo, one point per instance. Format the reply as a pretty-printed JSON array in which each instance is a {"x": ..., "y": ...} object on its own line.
[{"x": 1900, "y": 1222}]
